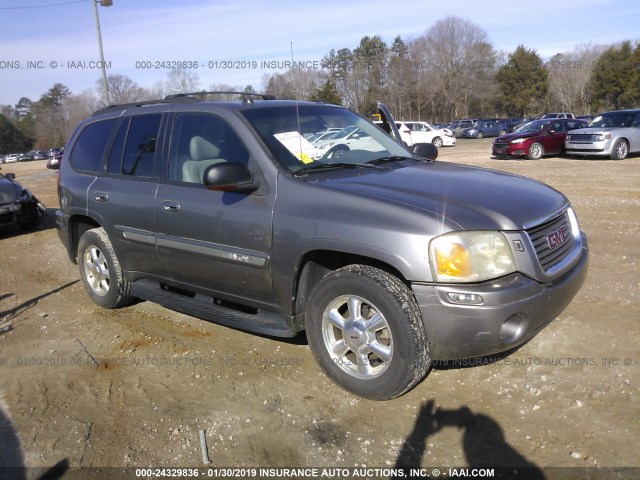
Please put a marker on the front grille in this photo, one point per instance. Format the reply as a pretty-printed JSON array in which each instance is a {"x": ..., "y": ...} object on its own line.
[
  {"x": 548, "y": 253},
  {"x": 582, "y": 137},
  {"x": 501, "y": 145}
]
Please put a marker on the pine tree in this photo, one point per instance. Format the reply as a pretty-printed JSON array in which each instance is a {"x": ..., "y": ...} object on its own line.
[{"x": 523, "y": 83}]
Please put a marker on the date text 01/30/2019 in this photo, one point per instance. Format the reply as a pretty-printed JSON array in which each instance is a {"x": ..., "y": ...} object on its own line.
[{"x": 226, "y": 64}]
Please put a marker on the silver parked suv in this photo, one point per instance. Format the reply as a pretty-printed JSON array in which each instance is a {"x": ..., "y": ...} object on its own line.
[
  {"x": 613, "y": 134},
  {"x": 388, "y": 260}
]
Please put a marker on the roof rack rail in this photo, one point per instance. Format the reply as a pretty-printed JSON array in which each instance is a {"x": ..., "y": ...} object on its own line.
[
  {"x": 169, "y": 99},
  {"x": 263, "y": 96}
]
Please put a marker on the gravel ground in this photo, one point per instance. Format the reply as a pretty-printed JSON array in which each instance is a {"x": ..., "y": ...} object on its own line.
[{"x": 133, "y": 387}]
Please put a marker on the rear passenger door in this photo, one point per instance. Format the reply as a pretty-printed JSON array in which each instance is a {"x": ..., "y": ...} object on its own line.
[
  {"x": 213, "y": 241},
  {"x": 123, "y": 196}
]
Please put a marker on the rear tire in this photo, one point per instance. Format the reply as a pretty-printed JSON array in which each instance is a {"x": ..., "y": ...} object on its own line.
[
  {"x": 100, "y": 270},
  {"x": 365, "y": 331}
]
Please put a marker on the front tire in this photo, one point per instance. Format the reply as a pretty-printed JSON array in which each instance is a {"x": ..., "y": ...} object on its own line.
[
  {"x": 365, "y": 331},
  {"x": 620, "y": 150},
  {"x": 100, "y": 270},
  {"x": 479, "y": 135},
  {"x": 437, "y": 142},
  {"x": 535, "y": 151}
]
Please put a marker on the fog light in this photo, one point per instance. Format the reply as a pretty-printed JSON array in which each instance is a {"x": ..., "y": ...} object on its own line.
[
  {"x": 465, "y": 298},
  {"x": 513, "y": 329}
]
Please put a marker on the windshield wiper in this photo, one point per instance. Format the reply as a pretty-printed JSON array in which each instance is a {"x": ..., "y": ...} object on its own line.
[
  {"x": 394, "y": 158},
  {"x": 325, "y": 166}
]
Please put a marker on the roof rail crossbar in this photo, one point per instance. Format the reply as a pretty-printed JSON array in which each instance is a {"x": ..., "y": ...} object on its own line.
[
  {"x": 143, "y": 103},
  {"x": 263, "y": 96}
]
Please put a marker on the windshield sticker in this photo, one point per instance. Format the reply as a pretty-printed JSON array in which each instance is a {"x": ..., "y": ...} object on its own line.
[{"x": 297, "y": 145}]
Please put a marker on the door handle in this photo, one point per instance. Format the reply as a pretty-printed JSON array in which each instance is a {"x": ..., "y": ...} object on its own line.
[
  {"x": 170, "y": 206},
  {"x": 101, "y": 196}
]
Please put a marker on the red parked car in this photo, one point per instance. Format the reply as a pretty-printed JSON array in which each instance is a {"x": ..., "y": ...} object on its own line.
[{"x": 537, "y": 138}]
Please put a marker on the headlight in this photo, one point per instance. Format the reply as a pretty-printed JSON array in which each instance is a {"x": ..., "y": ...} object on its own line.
[
  {"x": 519, "y": 140},
  {"x": 470, "y": 256},
  {"x": 604, "y": 136}
]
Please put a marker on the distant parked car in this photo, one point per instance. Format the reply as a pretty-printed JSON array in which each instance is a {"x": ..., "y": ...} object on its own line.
[
  {"x": 458, "y": 126},
  {"x": 422, "y": 132},
  {"x": 25, "y": 157},
  {"x": 588, "y": 118},
  {"x": 406, "y": 134},
  {"x": 55, "y": 151},
  {"x": 349, "y": 138},
  {"x": 39, "y": 155},
  {"x": 11, "y": 158},
  {"x": 615, "y": 134},
  {"x": 537, "y": 138},
  {"x": 558, "y": 115},
  {"x": 54, "y": 162},
  {"x": 482, "y": 129}
]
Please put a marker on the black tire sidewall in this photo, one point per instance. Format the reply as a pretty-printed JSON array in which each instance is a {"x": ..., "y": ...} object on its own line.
[
  {"x": 409, "y": 362},
  {"x": 99, "y": 239}
]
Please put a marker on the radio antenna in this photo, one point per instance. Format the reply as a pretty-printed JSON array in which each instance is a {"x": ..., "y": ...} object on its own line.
[{"x": 297, "y": 111}]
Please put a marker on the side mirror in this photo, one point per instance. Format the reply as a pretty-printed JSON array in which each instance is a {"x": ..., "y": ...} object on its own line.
[
  {"x": 10, "y": 176},
  {"x": 229, "y": 177},
  {"x": 425, "y": 150}
]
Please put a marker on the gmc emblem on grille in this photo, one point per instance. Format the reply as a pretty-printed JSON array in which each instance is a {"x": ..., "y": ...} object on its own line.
[{"x": 558, "y": 237}]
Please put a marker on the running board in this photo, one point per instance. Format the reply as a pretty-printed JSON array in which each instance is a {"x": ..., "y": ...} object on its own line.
[{"x": 203, "y": 306}]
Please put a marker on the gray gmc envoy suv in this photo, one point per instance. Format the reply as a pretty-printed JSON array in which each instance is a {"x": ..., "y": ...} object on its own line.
[{"x": 228, "y": 211}]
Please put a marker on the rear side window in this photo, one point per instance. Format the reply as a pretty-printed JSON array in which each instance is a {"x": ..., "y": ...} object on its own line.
[
  {"x": 89, "y": 151},
  {"x": 140, "y": 148}
]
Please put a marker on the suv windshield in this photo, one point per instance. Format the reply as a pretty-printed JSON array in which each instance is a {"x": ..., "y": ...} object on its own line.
[
  {"x": 613, "y": 120},
  {"x": 294, "y": 135}
]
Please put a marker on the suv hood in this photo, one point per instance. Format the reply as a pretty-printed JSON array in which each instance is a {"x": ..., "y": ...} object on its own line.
[
  {"x": 460, "y": 196},
  {"x": 8, "y": 192}
]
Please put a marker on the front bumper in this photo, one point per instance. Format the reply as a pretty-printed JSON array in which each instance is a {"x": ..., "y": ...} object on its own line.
[
  {"x": 602, "y": 147},
  {"x": 448, "y": 141},
  {"x": 514, "y": 309},
  {"x": 510, "y": 150}
]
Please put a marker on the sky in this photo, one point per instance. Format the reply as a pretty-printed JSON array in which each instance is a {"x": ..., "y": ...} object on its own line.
[{"x": 43, "y": 42}]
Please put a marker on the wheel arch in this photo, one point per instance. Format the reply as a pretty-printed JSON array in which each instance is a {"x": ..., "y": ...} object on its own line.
[
  {"x": 316, "y": 264},
  {"x": 78, "y": 224}
]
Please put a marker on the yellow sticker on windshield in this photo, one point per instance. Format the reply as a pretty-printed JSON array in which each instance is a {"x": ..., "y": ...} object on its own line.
[{"x": 297, "y": 145}]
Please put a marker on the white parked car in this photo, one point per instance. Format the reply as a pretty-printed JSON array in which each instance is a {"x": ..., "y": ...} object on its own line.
[
  {"x": 11, "y": 158},
  {"x": 349, "y": 138},
  {"x": 423, "y": 132}
]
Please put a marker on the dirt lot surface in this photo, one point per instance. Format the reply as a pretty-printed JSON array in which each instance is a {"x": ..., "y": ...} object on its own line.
[{"x": 133, "y": 387}]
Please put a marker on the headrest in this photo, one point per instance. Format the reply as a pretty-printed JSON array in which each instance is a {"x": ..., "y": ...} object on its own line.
[{"x": 202, "y": 149}]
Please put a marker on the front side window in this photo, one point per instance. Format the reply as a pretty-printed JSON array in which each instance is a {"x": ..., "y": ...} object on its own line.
[
  {"x": 89, "y": 150},
  {"x": 200, "y": 140},
  {"x": 140, "y": 148},
  {"x": 286, "y": 129}
]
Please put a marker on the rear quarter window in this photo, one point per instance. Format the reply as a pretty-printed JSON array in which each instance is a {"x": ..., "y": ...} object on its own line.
[{"x": 89, "y": 151}]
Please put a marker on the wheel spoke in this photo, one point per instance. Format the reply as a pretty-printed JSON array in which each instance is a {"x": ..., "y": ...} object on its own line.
[
  {"x": 340, "y": 348},
  {"x": 355, "y": 306},
  {"x": 364, "y": 366},
  {"x": 335, "y": 319},
  {"x": 376, "y": 323},
  {"x": 380, "y": 350}
]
